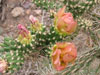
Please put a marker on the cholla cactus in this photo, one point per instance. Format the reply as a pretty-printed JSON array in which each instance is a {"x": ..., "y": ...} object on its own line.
[
  {"x": 73, "y": 6},
  {"x": 11, "y": 54},
  {"x": 39, "y": 38},
  {"x": 45, "y": 4},
  {"x": 14, "y": 51},
  {"x": 79, "y": 7}
]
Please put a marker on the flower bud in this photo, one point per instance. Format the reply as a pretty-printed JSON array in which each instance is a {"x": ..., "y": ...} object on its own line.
[
  {"x": 24, "y": 35},
  {"x": 35, "y": 26}
]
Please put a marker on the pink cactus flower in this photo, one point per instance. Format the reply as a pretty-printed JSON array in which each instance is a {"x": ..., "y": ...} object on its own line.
[
  {"x": 23, "y": 30},
  {"x": 35, "y": 26},
  {"x": 63, "y": 53},
  {"x": 24, "y": 35},
  {"x": 64, "y": 22}
]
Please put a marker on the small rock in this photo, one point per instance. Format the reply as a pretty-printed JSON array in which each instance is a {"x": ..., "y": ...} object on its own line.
[
  {"x": 33, "y": 6},
  {"x": 38, "y": 12},
  {"x": 28, "y": 11},
  {"x": 26, "y": 5},
  {"x": 17, "y": 11}
]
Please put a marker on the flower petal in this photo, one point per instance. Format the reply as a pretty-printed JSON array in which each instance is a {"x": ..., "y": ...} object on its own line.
[
  {"x": 61, "y": 12},
  {"x": 33, "y": 19}
]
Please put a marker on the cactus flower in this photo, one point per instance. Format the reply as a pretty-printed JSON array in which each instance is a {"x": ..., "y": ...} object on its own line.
[
  {"x": 3, "y": 65},
  {"x": 64, "y": 22},
  {"x": 63, "y": 53},
  {"x": 24, "y": 35},
  {"x": 35, "y": 26}
]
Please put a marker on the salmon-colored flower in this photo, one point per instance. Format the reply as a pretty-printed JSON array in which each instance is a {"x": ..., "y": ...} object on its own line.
[
  {"x": 64, "y": 22},
  {"x": 35, "y": 26},
  {"x": 24, "y": 35},
  {"x": 62, "y": 54},
  {"x": 3, "y": 65}
]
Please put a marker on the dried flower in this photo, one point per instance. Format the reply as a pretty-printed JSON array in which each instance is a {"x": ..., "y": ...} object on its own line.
[
  {"x": 24, "y": 35},
  {"x": 3, "y": 65},
  {"x": 35, "y": 26},
  {"x": 63, "y": 53},
  {"x": 64, "y": 22}
]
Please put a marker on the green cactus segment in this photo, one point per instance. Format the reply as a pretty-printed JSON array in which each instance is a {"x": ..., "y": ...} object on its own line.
[
  {"x": 79, "y": 7},
  {"x": 14, "y": 60},
  {"x": 45, "y": 38},
  {"x": 14, "y": 52},
  {"x": 26, "y": 49},
  {"x": 46, "y": 51},
  {"x": 7, "y": 45},
  {"x": 88, "y": 26},
  {"x": 13, "y": 45},
  {"x": 45, "y": 4},
  {"x": 84, "y": 23}
]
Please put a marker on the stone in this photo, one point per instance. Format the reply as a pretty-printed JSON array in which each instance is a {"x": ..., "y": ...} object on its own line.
[
  {"x": 33, "y": 6},
  {"x": 17, "y": 11},
  {"x": 26, "y": 5},
  {"x": 38, "y": 12}
]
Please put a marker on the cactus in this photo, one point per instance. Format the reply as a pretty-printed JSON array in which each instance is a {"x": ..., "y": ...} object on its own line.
[
  {"x": 14, "y": 53},
  {"x": 79, "y": 7},
  {"x": 82, "y": 63},
  {"x": 11, "y": 54},
  {"x": 40, "y": 38},
  {"x": 45, "y": 39},
  {"x": 45, "y": 4},
  {"x": 73, "y": 6}
]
